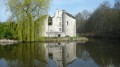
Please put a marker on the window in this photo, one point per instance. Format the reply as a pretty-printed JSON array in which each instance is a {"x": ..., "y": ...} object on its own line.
[
  {"x": 49, "y": 20},
  {"x": 60, "y": 24},
  {"x": 67, "y": 22},
  {"x": 60, "y": 29}
]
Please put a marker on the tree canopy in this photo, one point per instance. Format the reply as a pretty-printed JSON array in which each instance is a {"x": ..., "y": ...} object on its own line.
[
  {"x": 103, "y": 22},
  {"x": 28, "y": 17}
]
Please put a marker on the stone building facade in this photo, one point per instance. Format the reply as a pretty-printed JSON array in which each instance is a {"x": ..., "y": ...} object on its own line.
[{"x": 62, "y": 24}]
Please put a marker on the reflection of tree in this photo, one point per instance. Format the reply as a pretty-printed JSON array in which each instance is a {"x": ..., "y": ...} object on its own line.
[
  {"x": 85, "y": 57},
  {"x": 24, "y": 55},
  {"x": 36, "y": 54},
  {"x": 103, "y": 53}
]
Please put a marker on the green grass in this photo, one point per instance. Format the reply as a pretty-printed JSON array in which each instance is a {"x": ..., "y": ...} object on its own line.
[{"x": 58, "y": 39}]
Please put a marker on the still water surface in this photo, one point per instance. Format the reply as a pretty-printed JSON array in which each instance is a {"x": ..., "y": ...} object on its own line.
[{"x": 94, "y": 53}]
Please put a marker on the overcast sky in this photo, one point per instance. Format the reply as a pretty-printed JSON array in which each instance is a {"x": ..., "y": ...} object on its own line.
[{"x": 71, "y": 6}]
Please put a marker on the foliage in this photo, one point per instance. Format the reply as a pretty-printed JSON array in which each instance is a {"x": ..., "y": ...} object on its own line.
[
  {"x": 81, "y": 19},
  {"x": 5, "y": 31},
  {"x": 104, "y": 21},
  {"x": 28, "y": 17}
]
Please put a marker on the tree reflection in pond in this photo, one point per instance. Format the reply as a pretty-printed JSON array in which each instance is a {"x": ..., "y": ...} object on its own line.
[
  {"x": 94, "y": 53},
  {"x": 24, "y": 55},
  {"x": 104, "y": 53}
]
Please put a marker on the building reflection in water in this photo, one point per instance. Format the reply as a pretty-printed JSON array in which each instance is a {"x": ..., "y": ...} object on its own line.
[
  {"x": 67, "y": 54},
  {"x": 61, "y": 53}
]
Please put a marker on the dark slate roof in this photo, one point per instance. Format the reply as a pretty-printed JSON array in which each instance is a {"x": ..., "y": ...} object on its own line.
[{"x": 68, "y": 14}]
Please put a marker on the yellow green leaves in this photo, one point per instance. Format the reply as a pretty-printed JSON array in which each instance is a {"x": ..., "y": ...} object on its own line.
[{"x": 28, "y": 14}]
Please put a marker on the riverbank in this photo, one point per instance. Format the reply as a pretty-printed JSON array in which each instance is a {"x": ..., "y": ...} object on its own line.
[
  {"x": 53, "y": 39},
  {"x": 102, "y": 35},
  {"x": 8, "y": 41},
  {"x": 64, "y": 39}
]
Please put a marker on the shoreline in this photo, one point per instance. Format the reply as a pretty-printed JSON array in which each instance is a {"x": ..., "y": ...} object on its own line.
[
  {"x": 8, "y": 41},
  {"x": 61, "y": 39}
]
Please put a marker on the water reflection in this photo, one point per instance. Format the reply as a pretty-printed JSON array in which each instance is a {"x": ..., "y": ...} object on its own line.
[
  {"x": 62, "y": 53},
  {"x": 23, "y": 55},
  {"x": 65, "y": 54},
  {"x": 103, "y": 53}
]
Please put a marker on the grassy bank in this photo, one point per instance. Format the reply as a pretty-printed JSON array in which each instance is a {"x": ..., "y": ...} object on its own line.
[
  {"x": 49, "y": 39},
  {"x": 63, "y": 39}
]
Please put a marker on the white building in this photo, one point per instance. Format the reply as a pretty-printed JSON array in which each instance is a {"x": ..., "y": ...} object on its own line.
[{"x": 61, "y": 25}]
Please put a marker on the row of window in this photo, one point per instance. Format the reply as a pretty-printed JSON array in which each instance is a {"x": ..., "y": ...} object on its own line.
[{"x": 61, "y": 23}]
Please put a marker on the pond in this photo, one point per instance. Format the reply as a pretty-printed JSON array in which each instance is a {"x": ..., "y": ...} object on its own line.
[{"x": 94, "y": 53}]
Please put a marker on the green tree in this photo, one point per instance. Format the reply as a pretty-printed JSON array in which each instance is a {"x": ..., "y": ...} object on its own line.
[
  {"x": 27, "y": 16},
  {"x": 117, "y": 4},
  {"x": 5, "y": 31},
  {"x": 81, "y": 19},
  {"x": 104, "y": 21}
]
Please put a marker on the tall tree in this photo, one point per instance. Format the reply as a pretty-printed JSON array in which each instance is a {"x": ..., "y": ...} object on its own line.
[
  {"x": 27, "y": 15},
  {"x": 117, "y": 4},
  {"x": 105, "y": 21},
  {"x": 81, "y": 19}
]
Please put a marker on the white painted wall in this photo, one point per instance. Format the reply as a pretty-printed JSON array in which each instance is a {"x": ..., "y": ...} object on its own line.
[
  {"x": 55, "y": 34},
  {"x": 69, "y": 25},
  {"x": 57, "y": 21}
]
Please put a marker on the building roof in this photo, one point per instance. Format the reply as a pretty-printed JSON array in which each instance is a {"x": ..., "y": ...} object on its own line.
[{"x": 68, "y": 14}]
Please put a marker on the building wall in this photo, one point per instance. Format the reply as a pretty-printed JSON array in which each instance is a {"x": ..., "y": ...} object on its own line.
[
  {"x": 57, "y": 21},
  {"x": 45, "y": 28},
  {"x": 56, "y": 34},
  {"x": 69, "y": 25}
]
